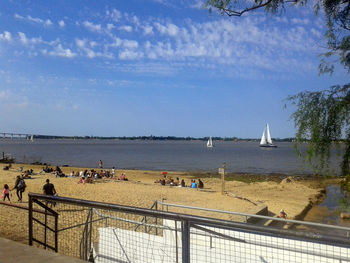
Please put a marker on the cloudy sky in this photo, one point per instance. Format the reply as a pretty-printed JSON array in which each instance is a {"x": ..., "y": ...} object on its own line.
[{"x": 160, "y": 67}]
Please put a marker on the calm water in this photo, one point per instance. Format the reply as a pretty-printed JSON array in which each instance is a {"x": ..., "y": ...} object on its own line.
[{"x": 241, "y": 157}]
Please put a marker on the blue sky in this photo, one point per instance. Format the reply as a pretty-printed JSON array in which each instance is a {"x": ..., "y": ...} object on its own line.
[{"x": 142, "y": 67}]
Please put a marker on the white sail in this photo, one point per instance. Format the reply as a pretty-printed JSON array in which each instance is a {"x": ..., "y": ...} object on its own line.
[
  {"x": 263, "y": 139},
  {"x": 210, "y": 142},
  {"x": 269, "y": 141}
]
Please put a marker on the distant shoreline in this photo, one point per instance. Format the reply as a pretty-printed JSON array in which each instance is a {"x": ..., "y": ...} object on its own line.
[{"x": 158, "y": 138}]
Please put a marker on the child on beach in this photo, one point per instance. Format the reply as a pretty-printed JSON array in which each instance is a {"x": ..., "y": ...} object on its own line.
[
  {"x": 283, "y": 214},
  {"x": 6, "y": 193}
]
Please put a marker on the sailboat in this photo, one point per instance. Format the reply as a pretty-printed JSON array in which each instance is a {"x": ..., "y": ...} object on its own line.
[
  {"x": 266, "y": 140},
  {"x": 210, "y": 143}
]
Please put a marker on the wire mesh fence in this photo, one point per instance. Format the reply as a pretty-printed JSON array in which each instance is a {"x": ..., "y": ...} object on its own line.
[
  {"x": 100, "y": 232},
  {"x": 17, "y": 229}
]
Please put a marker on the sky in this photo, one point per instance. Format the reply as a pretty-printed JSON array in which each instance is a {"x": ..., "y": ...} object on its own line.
[{"x": 154, "y": 67}]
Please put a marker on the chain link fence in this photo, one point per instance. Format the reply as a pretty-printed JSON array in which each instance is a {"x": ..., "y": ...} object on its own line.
[{"x": 101, "y": 232}]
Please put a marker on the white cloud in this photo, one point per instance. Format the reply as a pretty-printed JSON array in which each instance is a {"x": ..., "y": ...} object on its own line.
[
  {"x": 148, "y": 30},
  {"x": 130, "y": 55},
  {"x": 115, "y": 15},
  {"x": 23, "y": 38},
  {"x": 198, "y": 4},
  {"x": 126, "y": 43},
  {"x": 18, "y": 16},
  {"x": 6, "y": 36},
  {"x": 110, "y": 26},
  {"x": 93, "y": 27},
  {"x": 125, "y": 28},
  {"x": 37, "y": 20},
  {"x": 304, "y": 21},
  {"x": 59, "y": 51},
  {"x": 61, "y": 23},
  {"x": 169, "y": 29},
  {"x": 316, "y": 33},
  {"x": 48, "y": 22},
  {"x": 87, "y": 48}
]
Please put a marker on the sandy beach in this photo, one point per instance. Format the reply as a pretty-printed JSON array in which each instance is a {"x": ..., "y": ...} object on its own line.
[{"x": 291, "y": 195}]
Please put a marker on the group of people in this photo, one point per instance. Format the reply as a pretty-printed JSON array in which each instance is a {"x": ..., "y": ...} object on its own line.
[
  {"x": 20, "y": 186},
  {"x": 165, "y": 180},
  {"x": 90, "y": 176}
]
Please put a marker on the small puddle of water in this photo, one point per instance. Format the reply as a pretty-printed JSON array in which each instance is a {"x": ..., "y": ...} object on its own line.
[{"x": 328, "y": 212}]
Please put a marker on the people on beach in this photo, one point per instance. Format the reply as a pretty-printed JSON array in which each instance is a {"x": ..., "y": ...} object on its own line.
[
  {"x": 183, "y": 183},
  {"x": 283, "y": 214},
  {"x": 49, "y": 189},
  {"x": 6, "y": 193},
  {"x": 194, "y": 184},
  {"x": 20, "y": 187},
  {"x": 123, "y": 177},
  {"x": 113, "y": 172},
  {"x": 200, "y": 184},
  {"x": 100, "y": 164}
]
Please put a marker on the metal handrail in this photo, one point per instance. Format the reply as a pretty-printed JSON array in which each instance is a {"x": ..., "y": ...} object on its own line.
[
  {"x": 257, "y": 216},
  {"x": 191, "y": 219}
]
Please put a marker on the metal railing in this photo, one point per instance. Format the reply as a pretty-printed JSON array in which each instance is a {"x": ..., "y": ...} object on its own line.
[
  {"x": 108, "y": 233},
  {"x": 346, "y": 230}
]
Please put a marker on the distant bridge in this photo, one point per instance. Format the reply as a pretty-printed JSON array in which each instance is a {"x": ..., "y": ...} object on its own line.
[{"x": 10, "y": 135}]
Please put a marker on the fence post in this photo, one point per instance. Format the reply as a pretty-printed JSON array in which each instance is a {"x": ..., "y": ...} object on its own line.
[
  {"x": 185, "y": 241},
  {"x": 30, "y": 218},
  {"x": 56, "y": 233},
  {"x": 156, "y": 219}
]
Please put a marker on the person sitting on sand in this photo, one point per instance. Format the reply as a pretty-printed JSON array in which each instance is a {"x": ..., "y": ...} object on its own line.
[
  {"x": 194, "y": 184},
  {"x": 200, "y": 184},
  {"x": 177, "y": 181},
  {"x": 183, "y": 183},
  {"x": 123, "y": 177},
  {"x": 283, "y": 214},
  {"x": 162, "y": 182}
]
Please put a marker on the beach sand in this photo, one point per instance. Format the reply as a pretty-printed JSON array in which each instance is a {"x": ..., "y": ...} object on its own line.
[{"x": 141, "y": 191}]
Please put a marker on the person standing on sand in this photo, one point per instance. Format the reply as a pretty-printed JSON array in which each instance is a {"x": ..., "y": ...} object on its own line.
[
  {"x": 49, "y": 189},
  {"x": 100, "y": 164},
  {"x": 113, "y": 172},
  {"x": 20, "y": 186},
  {"x": 6, "y": 193}
]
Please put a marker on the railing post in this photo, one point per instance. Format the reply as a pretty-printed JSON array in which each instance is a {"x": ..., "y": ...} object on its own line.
[
  {"x": 30, "y": 222},
  {"x": 185, "y": 241},
  {"x": 156, "y": 219},
  {"x": 56, "y": 233}
]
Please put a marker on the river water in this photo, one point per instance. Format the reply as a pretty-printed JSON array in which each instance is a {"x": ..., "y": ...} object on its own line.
[{"x": 240, "y": 157}]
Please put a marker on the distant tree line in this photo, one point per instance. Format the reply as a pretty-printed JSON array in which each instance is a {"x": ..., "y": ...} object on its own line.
[{"x": 155, "y": 138}]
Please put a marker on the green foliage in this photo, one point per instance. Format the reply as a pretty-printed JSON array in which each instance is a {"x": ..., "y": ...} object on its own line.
[{"x": 323, "y": 118}]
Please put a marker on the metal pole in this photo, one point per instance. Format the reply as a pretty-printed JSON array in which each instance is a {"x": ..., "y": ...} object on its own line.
[
  {"x": 223, "y": 178},
  {"x": 185, "y": 241},
  {"x": 90, "y": 234},
  {"x": 56, "y": 233},
  {"x": 45, "y": 228},
  {"x": 156, "y": 219},
  {"x": 30, "y": 223}
]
